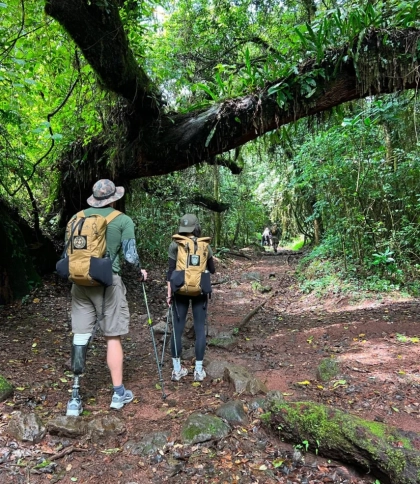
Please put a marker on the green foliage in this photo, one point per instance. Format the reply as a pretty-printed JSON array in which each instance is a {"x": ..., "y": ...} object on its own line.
[
  {"x": 303, "y": 446},
  {"x": 155, "y": 224},
  {"x": 321, "y": 277},
  {"x": 211, "y": 51},
  {"x": 328, "y": 369},
  {"x": 157, "y": 212},
  {"x": 348, "y": 181},
  {"x": 221, "y": 252},
  {"x": 297, "y": 245},
  {"x": 357, "y": 183},
  {"x": 206, "y": 52},
  {"x": 5, "y": 386},
  {"x": 402, "y": 338},
  {"x": 48, "y": 98}
]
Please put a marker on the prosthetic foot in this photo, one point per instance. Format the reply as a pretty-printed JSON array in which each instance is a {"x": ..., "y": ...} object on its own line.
[
  {"x": 74, "y": 405},
  {"x": 78, "y": 362}
]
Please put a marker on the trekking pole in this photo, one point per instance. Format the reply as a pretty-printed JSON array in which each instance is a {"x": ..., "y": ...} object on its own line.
[
  {"x": 166, "y": 334},
  {"x": 206, "y": 328},
  {"x": 206, "y": 322},
  {"x": 173, "y": 332},
  {"x": 149, "y": 321}
]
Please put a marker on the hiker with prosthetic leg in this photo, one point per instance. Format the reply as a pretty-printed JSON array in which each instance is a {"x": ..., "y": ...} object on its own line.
[
  {"x": 189, "y": 267},
  {"x": 94, "y": 238}
]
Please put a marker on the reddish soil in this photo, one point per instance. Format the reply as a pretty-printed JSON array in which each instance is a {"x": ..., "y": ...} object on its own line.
[{"x": 374, "y": 341}]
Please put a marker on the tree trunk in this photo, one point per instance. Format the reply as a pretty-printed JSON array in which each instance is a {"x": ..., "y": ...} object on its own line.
[
  {"x": 317, "y": 231},
  {"x": 16, "y": 269},
  {"x": 217, "y": 217},
  {"x": 390, "y": 158},
  {"x": 24, "y": 255},
  {"x": 97, "y": 29},
  {"x": 388, "y": 453}
]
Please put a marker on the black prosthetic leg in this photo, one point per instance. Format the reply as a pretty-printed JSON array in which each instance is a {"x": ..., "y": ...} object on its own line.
[{"x": 78, "y": 363}]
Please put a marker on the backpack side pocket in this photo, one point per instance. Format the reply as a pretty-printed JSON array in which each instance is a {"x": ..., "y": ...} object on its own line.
[
  {"x": 100, "y": 270},
  {"x": 177, "y": 280},
  {"x": 205, "y": 283},
  {"x": 62, "y": 268}
]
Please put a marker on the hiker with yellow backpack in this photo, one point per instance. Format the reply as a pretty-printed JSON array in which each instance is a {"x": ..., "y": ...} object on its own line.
[
  {"x": 94, "y": 238},
  {"x": 190, "y": 264}
]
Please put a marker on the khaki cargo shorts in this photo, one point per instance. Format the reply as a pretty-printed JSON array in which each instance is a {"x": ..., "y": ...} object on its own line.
[{"x": 87, "y": 306}]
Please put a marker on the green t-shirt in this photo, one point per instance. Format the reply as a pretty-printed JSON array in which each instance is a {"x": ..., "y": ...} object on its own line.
[{"x": 119, "y": 229}]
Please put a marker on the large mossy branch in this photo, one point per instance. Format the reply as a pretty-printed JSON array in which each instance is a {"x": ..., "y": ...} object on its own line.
[
  {"x": 208, "y": 202},
  {"x": 231, "y": 165},
  {"x": 175, "y": 192},
  {"x": 153, "y": 142},
  {"x": 389, "y": 453},
  {"x": 385, "y": 62}
]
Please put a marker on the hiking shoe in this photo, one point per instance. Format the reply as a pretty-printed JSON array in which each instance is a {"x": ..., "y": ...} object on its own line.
[
  {"x": 118, "y": 401},
  {"x": 177, "y": 375},
  {"x": 74, "y": 407},
  {"x": 199, "y": 375}
]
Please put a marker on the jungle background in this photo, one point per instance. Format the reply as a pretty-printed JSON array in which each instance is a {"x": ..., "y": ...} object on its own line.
[
  {"x": 345, "y": 180},
  {"x": 301, "y": 113}
]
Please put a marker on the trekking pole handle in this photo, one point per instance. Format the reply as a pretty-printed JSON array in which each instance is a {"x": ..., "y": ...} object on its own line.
[{"x": 143, "y": 278}]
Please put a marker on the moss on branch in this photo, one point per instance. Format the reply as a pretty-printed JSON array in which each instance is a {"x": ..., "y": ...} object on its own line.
[{"x": 389, "y": 453}]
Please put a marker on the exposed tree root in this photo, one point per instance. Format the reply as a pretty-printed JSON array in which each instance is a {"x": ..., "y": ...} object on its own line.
[
  {"x": 66, "y": 451},
  {"x": 250, "y": 315},
  {"x": 239, "y": 254}
]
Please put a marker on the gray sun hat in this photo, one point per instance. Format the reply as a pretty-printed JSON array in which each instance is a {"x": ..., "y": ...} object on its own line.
[
  {"x": 187, "y": 223},
  {"x": 104, "y": 193}
]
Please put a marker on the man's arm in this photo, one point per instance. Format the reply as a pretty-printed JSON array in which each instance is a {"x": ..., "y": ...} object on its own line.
[{"x": 131, "y": 256}]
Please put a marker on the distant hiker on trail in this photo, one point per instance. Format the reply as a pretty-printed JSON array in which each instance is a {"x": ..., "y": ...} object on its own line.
[
  {"x": 94, "y": 238},
  {"x": 189, "y": 267},
  {"x": 266, "y": 237},
  {"x": 275, "y": 235}
]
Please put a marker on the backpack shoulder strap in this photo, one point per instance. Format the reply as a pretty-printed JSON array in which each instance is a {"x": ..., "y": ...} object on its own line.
[
  {"x": 71, "y": 227},
  {"x": 204, "y": 239},
  {"x": 109, "y": 218},
  {"x": 180, "y": 238}
]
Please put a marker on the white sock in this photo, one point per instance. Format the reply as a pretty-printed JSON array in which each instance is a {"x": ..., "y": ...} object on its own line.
[
  {"x": 81, "y": 339},
  {"x": 176, "y": 364},
  {"x": 198, "y": 365}
]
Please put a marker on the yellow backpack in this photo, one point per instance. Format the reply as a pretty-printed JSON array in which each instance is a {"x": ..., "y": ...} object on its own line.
[
  {"x": 85, "y": 261},
  {"x": 190, "y": 277}
]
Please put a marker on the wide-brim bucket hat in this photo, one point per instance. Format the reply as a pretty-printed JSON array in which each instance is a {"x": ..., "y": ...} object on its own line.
[{"x": 105, "y": 192}]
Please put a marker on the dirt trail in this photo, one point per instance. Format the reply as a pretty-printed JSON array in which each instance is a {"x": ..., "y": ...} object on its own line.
[{"x": 374, "y": 341}]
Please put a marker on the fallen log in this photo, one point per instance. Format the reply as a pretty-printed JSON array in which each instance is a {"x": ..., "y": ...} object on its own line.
[
  {"x": 283, "y": 252},
  {"x": 216, "y": 283},
  {"x": 238, "y": 254},
  {"x": 390, "y": 454},
  {"x": 250, "y": 315}
]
